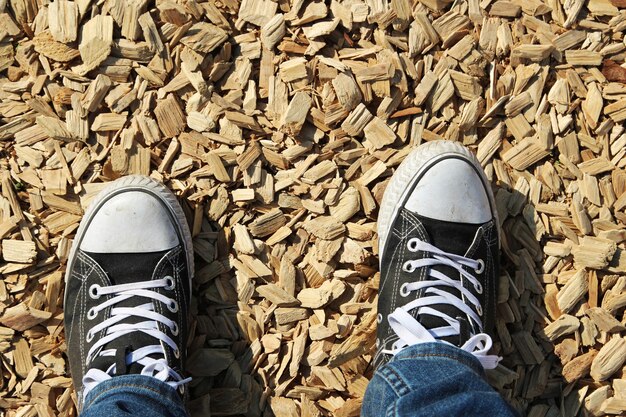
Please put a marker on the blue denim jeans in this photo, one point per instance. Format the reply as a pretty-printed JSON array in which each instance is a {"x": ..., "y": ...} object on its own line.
[
  {"x": 431, "y": 379},
  {"x": 133, "y": 395}
]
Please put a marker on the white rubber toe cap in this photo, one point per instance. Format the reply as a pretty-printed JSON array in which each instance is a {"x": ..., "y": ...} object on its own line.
[
  {"x": 453, "y": 191},
  {"x": 130, "y": 222}
]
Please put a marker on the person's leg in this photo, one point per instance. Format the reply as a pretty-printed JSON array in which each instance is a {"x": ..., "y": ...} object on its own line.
[
  {"x": 432, "y": 379},
  {"x": 439, "y": 260},
  {"x": 134, "y": 395},
  {"x": 128, "y": 284}
]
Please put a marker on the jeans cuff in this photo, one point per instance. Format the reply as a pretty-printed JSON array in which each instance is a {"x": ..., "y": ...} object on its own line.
[
  {"x": 440, "y": 350},
  {"x": 135, "y": 385}
]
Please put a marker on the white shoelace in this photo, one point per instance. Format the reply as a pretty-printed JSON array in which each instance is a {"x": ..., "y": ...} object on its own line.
[
  {"x": 157, "y": 368},
  {"x": 411, "y": 332}
]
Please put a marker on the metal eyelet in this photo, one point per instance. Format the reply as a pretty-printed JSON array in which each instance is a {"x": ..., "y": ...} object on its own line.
[
  {"x": 181, "y": 389},
  {"x": 412, "y": 245},
  {"x": 173, "y": 306},
  {"x": 408, "y": 267},
  {"x": 170, "y": 283},
  {"x": 92, "y": 313},
  {"x": 89, "y": 337},
  {"x": 479, "y": 309},
  {"x": 404, "y": 291},
  {"x": 379, "y": 318},
  {"x": 93, "y": 291},
  {"x": 175, "y": 329},
  {"x": 177, "y": 353},
  {"x": 479, "y": 288},
  {"x": 481, "y": 267}
]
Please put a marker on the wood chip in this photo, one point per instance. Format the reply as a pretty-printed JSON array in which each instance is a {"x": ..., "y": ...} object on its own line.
[
  {"x": 63, "y": 20},
  {"x": 610, "y": 358},
  {"x": 204, "y": 37},
  {"x": 18, "y": 251},
  {"x": 593, "y": 252},
  {"x": 564, "y": 325},
  {"x": 96, "y": 40},
  {"x": 324, "y": 227},
  {"x": 378, "y": 134},
  {"x": 575, "y": 288},
  {"x": 170, "y": 117}
]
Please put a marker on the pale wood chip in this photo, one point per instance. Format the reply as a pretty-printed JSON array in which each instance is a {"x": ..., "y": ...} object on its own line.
[{"x": 610, "y": 358}]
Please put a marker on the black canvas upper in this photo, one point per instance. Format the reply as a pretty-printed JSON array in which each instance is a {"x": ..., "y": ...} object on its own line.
[
  {"x": 122, "y": 268},
  {"x": 476, "y": 241}
]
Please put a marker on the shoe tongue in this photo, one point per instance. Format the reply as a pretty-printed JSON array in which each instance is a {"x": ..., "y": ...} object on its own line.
[
  {"x": 455, "y": 238},
  {"x": 450, "y": 237},
  {"x": 126, "y": 268}
]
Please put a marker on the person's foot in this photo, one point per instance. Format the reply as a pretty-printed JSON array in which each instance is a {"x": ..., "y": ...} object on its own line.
[
  {"x": 127, "y": 288},
  {"x": 439, "y": 254}
]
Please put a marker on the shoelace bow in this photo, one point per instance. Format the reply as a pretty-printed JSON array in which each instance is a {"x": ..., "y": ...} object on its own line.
[
  {"x": 411, "y": 332},
  {"x": 115, "y": 328}
]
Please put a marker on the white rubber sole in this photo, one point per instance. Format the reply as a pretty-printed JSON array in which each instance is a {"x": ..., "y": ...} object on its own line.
[
  {"x": 411, "y": 170},
  {"x": 136, "y": 183}
]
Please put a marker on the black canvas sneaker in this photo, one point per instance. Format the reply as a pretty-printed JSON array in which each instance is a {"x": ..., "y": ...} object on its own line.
[
  {"x": 439, "y": 254},
  {"x": 127, "y": 288}
]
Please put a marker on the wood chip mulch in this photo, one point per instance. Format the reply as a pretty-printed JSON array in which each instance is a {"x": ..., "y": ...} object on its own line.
[{"x": 279, "y": 125}]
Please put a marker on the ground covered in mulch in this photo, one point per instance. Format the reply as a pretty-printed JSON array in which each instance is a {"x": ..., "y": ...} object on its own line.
[{"x": 278, "y": 125}]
